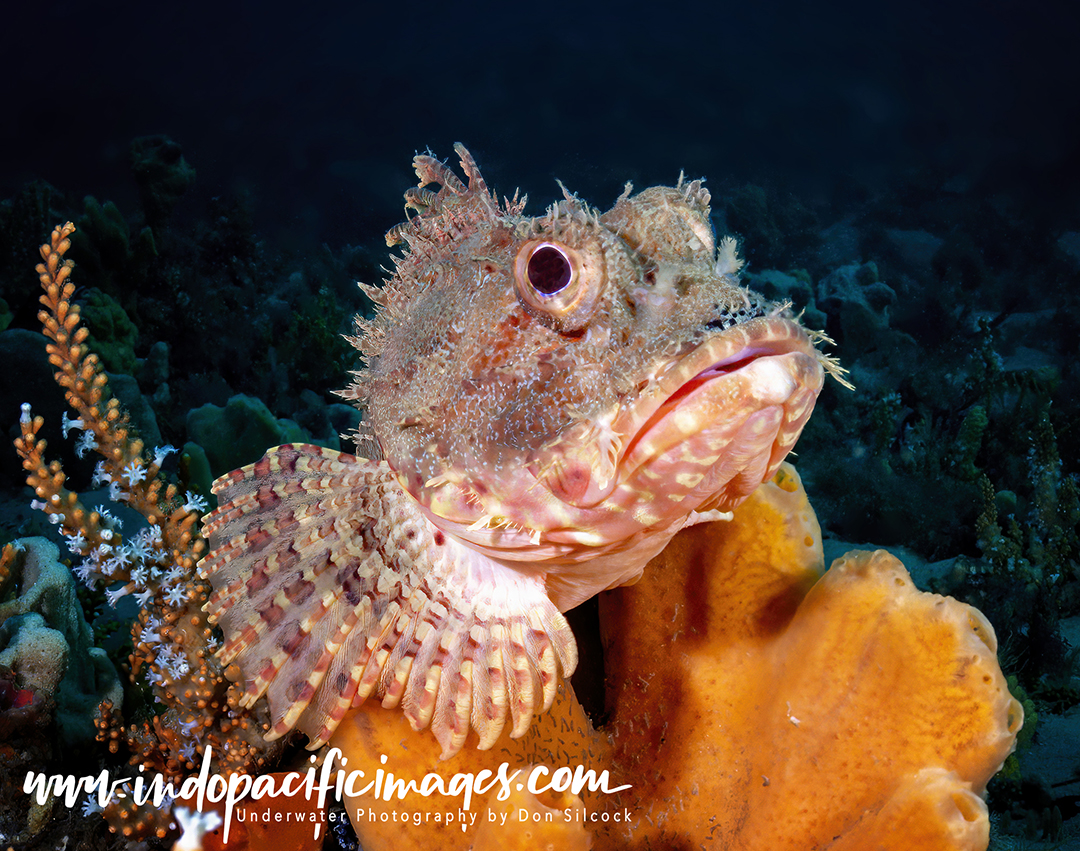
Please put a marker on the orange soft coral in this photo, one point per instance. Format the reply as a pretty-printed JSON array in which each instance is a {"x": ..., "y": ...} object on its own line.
[
  {"x": 753, "y": 705},
  {"x": 171, "y": 638}
]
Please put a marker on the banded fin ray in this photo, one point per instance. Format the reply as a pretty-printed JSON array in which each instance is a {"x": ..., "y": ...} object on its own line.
[{"x": 331, "y": 586}]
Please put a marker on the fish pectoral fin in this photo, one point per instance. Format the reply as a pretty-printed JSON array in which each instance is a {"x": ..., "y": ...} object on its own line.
[
  {"x": 476, "y": 644},
  {"x": 331, "y": 586}
]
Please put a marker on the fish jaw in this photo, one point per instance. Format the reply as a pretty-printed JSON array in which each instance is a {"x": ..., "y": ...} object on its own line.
[
  {"x": 709, "y": 428},
  {"x": 705, "y": 447},
  {"x": 721, "y": 440}
]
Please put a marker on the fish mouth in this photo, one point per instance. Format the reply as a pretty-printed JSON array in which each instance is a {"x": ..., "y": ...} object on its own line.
[
  {"x": 706, "y": 429},
  {"x": 702, "y": 433},
  {"x": 711, "y": 361},
  {"x": 718, "y": 421}
]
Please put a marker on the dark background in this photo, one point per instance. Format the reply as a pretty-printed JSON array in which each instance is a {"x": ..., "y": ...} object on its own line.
[{"x": 312, "y": 111}]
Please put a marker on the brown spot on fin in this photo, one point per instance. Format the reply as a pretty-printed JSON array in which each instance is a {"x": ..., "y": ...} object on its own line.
[{"x": 330, "y": 587}]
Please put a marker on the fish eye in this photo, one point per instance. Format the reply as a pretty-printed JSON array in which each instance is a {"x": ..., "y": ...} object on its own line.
[
  {"x": 548, "y": 269},
  {"x": 558, "y": 284}
]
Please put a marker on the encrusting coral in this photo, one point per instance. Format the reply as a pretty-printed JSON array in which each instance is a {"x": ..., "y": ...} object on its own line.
[
  {"x": 753, "y": 705},
  {"x": 46, "y": 641}
]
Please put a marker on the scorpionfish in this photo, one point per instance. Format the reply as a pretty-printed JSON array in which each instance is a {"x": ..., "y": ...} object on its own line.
[{"x": 547, "y": 402}]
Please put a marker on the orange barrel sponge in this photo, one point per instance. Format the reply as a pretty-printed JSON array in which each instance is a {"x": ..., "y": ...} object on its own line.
[
  {"x": 887, "y": 717},
  {"x": 861, "y": 714},
  {"x": 496, "y": 811}
]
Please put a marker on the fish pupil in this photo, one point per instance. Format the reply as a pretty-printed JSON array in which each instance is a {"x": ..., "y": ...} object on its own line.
[{"x": 549, "y": 270}]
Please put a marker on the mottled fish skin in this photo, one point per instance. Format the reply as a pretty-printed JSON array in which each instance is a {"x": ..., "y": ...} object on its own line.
[{"x": 552, "y": 399}]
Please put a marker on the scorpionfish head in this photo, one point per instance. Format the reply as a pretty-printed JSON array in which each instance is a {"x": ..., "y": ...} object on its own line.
[{"x": 559, "y": 388}]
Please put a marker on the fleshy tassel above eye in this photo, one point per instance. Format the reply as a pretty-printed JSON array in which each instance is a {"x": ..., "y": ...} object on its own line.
[{"x": 331, "y": 587}]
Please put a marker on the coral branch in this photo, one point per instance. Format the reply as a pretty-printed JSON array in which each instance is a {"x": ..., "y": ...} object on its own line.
[{"x": 172, "y": 639}]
